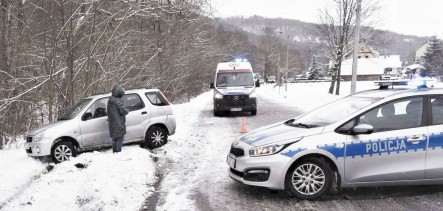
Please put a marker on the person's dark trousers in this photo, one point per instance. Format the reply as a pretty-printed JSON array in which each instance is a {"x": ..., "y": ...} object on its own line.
[{"x": 117, "y": 144}]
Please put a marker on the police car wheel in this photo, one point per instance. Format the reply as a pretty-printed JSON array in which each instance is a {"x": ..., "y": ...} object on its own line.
[
  {"x": 309, "y": 179},
  {"x": 63, "y": 151},
  {"x": 254, "y": 112},
  {"x": 156, "y": 137}
]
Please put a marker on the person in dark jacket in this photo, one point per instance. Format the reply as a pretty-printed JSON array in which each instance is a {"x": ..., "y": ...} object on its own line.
[{"x": 116, "y": 118}]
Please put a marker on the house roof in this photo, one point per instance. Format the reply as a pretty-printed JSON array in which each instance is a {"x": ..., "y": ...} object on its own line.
[{"x": 371, "y": 66}]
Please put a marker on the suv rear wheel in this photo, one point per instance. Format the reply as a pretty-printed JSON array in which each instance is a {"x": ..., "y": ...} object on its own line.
[
  {"x": 63, "y": 151},
  {"x": 156, "y": 137},
  {"x": 309, "y": 179}
]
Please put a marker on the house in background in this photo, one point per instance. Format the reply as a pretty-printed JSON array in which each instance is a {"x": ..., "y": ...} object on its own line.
[
  {"x": 420, "y": 52},
  {"x": 364, "y": 52},
  {"x": 370, "y": 69}
]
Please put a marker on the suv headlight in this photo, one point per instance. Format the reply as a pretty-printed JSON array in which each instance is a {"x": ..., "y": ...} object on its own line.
[
  {"x": 37, "y": 137},
  {"x": 270, "y": 149},
  {"x": 218, "y": 95},
  {"x": 253, "y": 94}
]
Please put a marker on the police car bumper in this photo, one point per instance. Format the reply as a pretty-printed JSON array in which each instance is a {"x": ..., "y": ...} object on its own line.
[
  {"x": 243, "y": 105},
  {"x": 266, "y": 171}
]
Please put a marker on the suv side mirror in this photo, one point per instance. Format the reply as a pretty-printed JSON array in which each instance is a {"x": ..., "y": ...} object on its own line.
[
  {"x": 212, "y": 85},
  {"x": 87, "y": 116},
  {"x": 362, "y": 129},
  {"x": 257, "y": 83}
]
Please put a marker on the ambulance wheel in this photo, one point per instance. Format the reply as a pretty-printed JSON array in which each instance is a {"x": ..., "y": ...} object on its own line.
[
  {"x": 309, "y": 179},
  {"x": 218, "y": 113}
]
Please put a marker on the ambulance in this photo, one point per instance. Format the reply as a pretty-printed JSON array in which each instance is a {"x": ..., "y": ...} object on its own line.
[{"x": 234, "y": 88}]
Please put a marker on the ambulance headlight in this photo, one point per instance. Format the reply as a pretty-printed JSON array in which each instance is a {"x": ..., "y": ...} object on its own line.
[
  {"x": 253, "y": 95},
  {"x": 218, "y": 96}
]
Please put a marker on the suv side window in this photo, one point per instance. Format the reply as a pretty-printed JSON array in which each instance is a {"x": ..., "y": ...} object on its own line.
[
  {"x": 133, "y": 102},
  {"x": 437, "y": 110},
  {"x": 97, "y": 109},
  {"x": 395, "y": 115},
  {"x": 156, "y": 98}
]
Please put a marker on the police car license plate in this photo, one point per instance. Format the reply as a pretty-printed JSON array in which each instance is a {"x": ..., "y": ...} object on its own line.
[
  {"x": 231, "y": 161},
  {"x": 235, "y": 109}
]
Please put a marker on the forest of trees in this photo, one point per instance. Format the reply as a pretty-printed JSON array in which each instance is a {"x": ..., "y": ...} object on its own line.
[{"x": 55, "y": 52}]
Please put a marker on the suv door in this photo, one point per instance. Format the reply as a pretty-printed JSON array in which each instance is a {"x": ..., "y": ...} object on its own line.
[
  {"x": 137, "y": 118},
  {"x": 434, "y": 157},
  {"x": 94, "y": 124},
  {"x": 396, "y": 148}
]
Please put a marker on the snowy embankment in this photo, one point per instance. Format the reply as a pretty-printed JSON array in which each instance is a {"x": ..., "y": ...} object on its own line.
[{"x": 91, "y": 181}]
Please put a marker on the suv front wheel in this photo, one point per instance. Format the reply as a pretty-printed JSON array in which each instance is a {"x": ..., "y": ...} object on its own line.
[
  {"x": 309, "y": 179},
  {"x": 62, "y": 151}
]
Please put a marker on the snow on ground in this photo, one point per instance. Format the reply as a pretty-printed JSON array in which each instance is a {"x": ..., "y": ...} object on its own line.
[
  {"x": 104, "y": 181},
  {"x": 123, "y": 181},
  {"x": 16, "y": 172},
  {"x": 308, "y": 96},
  {"x": 189, "y": 152}
]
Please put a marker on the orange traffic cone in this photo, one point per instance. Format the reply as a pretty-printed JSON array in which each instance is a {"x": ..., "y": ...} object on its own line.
[{"x": 244, "y": 129}]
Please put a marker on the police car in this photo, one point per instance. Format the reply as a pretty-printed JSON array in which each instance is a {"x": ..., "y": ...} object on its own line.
[{"x": 386, "y": 136}]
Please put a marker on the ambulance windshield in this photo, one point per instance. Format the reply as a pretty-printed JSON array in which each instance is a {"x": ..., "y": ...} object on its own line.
[{"x": 234, "y": 79}]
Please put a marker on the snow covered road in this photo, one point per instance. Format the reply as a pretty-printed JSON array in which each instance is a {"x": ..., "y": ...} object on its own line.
[{"x": 195, "y": 174}]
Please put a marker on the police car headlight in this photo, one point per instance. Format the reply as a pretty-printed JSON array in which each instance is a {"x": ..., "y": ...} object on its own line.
[
  {"x": 266, "y": 150},
  {"x": 271, "y": 149},
  {"x": 218, "y": 96},
  {"x": 253, "y": 95}
]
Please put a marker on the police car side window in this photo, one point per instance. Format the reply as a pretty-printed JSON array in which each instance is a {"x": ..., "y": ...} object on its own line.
[
  {"x": 396, "y": 115},
  {"x": 437, "y": 110}
]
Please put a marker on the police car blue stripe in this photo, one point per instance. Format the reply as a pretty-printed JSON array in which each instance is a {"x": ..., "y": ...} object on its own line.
[
  {"x": 292, "y": 153},
  {"x": 377, "y": 147}
]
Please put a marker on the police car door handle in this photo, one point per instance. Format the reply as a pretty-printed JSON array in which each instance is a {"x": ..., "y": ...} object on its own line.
[
  {"x": 144, "y": 112},
  {"x": 417, "y": 139}
]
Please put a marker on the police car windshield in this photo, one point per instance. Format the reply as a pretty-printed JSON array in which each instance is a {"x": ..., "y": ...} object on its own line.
[
  {"x": 234, "y": 79},
  {"x": 333, "y": 112}
]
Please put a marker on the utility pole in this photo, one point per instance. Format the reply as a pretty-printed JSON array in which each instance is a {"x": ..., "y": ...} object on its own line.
[
  {"x": 356, "y": 46},
  {"x": 287, "y": 64}
]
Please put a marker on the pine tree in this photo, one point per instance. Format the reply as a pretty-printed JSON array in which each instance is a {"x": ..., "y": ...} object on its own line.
[
  {"x": 432, "y": 60},
  {"x": 314, "y": 70}
]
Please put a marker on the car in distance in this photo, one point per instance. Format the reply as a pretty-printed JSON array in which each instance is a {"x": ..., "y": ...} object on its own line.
[
  {"x": 84, "y": 127},
  {"x": 376, "y": 137},
  {"x": 272, "y": 79}
]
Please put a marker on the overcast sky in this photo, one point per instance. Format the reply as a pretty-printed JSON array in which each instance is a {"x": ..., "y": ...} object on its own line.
[{"x": 414, "y": 17}]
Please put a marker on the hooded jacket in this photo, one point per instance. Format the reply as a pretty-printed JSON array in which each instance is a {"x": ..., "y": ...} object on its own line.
[{"x": 117, "y": 112}]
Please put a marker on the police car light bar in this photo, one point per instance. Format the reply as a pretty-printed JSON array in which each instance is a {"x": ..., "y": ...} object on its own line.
[{"x": 415, "y": 83}]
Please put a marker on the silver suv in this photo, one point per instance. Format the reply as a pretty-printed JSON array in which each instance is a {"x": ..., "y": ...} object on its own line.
[{"x": 84, "y": 127}]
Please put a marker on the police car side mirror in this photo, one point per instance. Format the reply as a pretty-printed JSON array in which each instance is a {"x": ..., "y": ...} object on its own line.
[
  {"x": 212, "y": 85},
  {"x": 362, "y": 129}
]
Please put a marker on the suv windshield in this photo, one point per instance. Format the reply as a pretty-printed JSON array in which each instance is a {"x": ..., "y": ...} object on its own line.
[
  {"x": 332, "y": 112},
  {"x": 75, "y": 110},
  {"x": 235, "y": 79}
]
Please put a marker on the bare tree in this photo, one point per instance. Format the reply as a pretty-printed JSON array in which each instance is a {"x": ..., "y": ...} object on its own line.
[{"x": 336, "y": 32}]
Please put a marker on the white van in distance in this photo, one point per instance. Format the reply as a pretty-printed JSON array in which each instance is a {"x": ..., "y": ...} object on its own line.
[{"x": 234, "y": 88}]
